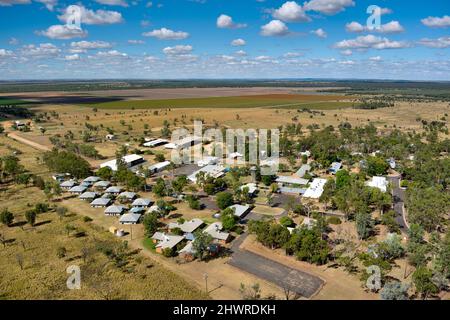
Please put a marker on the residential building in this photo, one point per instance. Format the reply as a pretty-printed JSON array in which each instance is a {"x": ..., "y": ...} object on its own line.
[
  {"x": 315, "y": 190},
  {"x": 132, "y": 162}
]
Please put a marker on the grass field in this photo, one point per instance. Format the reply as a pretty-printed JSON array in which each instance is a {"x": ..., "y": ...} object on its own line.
[{"x": 273, "y": 100}]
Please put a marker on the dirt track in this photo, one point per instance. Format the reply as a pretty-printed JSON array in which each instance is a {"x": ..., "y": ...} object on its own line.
[{"x": 30, "y": 143}]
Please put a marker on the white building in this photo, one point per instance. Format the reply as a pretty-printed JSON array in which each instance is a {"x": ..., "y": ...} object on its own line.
[
  {"x": 130, "y": 161},
  {"x": 155, "y": 143},
  {"x": 158, "y": 167},
  {"x": 207, "y": 161},
  {"x": 210, "y": 171},
  {"x": 380, "y": 183},
  {"x": 183, "y": 143},
  {"x": 315, "y": 190}
]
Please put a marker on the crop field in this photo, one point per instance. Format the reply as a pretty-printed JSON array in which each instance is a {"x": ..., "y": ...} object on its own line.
[{"x": 272, "y": 100}]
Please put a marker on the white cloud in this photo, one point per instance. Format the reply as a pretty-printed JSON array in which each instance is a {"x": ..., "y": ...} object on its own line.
[
  {"x": 437, "y": 22},
  {"x": 226, "y": 22},
  {"x": 291, "y": 11},
  {"x": 376, "y": 58},
  {"x": 320, "y": 33},
  {"x": 238, "y": 42},
  {"x": 240, "y": 53},
  {"x": 41, "y": 51},
  {"x": 177, "y": 50},
  {"x": 440, "y": 43},
  {"x": 166, "y": 34},
  {"x": 72, "y": 57},
  {"x": 63, "y": 32},
  {"x": 93, "y": 17},
  {"x": 7, "y": 3},
  {"x": 370, "y": 42},
  {"x": 329, "y": 7},
  {"x": 292, "y": 55},
  {"x": 49, "y": 4},
  {"x": 86, "y": 45},
  {"x": 347, "y": 52},
  {"x": 390, "y": 27},
  {"x": 274, "y": 28},
  {"x": 386, "y": 11},
  {"x": 121, "y": 3},
  {"x": 136, "y": 41},
  {"x": 5, "y": 53},
  {"x": 13, "y": 41},
  {"x": 111, "y": 53}
]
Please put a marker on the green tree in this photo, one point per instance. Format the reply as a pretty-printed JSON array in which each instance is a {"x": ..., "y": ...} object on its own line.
[
  {"x": 150, "y": 223},
  {"x": 423, "y": 281},
  {"x": 364, "y": 225},
  {"x": 30, "y": 216},
  {"x": 287, "y": 222},
  {"x": 224, "y": 200},
  {"x": 6, "y": 217},
  {"x": 343, "y": 179},
  {"x": 376, "y": 166},
  {"x": 160, "y": 188},
  {"x": 64, "y": 161},
  {"x": 201, "y": 244},
  {"x": 228, "y": 219},
  {"x": 394, "y": 290},
  {"x": 105, "y": 173}
]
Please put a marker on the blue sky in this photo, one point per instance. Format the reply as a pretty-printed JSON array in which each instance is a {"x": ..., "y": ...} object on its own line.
[{"x": 224, "y": 39}]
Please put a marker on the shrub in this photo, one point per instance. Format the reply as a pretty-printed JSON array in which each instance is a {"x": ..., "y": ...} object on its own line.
[
  {"x": 334, "y": 220},
  {"x": 87, "y": 219},
  {"x": 61, "y": 252}
]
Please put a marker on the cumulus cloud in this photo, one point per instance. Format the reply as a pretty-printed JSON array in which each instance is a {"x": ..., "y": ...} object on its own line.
[
  {"x": 291, "y": 11},
  {"x": 166, "y": 34},
  {"x": 328, "y": 7},
  {"x": 346, "y": 52},
  {"x": 238, "y": 42},
  {"x": 437, "y": 22},
  {"x": 121, "y": 3},
  {"x": 226, "y": 22},
  {"x": 49, "y": 4},
  {"x": 72, "y": 57},
  {"x": 274, "y": 28},
  {"x": 240, "y": 53},
  {"x": 111, "y": 53},
  {"x": 63, "y": 32},
  {"x": 370, "y": 42},
  {"x": 87, "y": 45},
  {"x": 132, "y": 41},
  {"x": 42, "y": 50},
  {"x": 390, "y": 27},
  {"x": 320, "y": 33},
  {"x": 439, "y": 43},
  {"x": 7, "y": 3},
  {"x": 177, "y": 50},
  {"x": 5, "y": 53},
  {"x": 92, "y": 17}
]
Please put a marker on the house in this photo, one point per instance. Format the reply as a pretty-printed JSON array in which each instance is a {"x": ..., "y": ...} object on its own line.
[
  {"x": 129, "y": 196},
  {"x": 303, "y": 170},
  {"x": 88, "y": 196},
  {"x": 215, "y": 231},
  {"x": 68, "y": 184},
  {"x": 235, "y": 155},
  {"x": 153, "y": 209},
  {"x": 102, "y": 185},
  {"x": 155, "y": 143},
  {"x": 113, "y": 190},
  {"x": 158, "y": 167},
  {"x": 91, "y": 180},
  {"x": 187, "y": 252},
  {"x": 141, "y": 203},
  {"x": 114, "y": 210},
  {"x": 252, "y": 188},
  {"x": 100, "y": 202},
  {"x": 335, "y": 167},
  {"x": 380, "y": 183},
  {"x": 315, "y": 190},
  {"x": 207, "y": 160},
  {"x": 292, "y": 191},
  {"x": 184, "y": 143},
  {"x": 130, "y": 218},
  {"x": 290, "y": 181},
  {"x": 187, "y": 226},
  {"x": 131, "y": 161},
  {"x": 139, "y": 210},
  {"x": 78, "y": 189},
  {"x": 213, "y": 171},
  {"x": 240, "y": 211},
  {"x": 59, "y": 177},
  {"x": 165, "y": 241}
]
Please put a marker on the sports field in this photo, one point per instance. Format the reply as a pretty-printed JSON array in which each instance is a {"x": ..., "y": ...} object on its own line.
[{"x": 272, "y": 100}]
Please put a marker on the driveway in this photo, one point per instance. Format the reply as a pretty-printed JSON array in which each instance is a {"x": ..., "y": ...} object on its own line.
[
  {"x": 399, "y": 202},
  {"x": 281, "y": 275},
  {"x": 302, "y": 283}
]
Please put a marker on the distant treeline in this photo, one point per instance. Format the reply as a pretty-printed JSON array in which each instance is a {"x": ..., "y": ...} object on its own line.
[
  {"x": 371, "y": 104},
  {"x": 351, "y": 86},
  {"x": 7, "y": 111}
]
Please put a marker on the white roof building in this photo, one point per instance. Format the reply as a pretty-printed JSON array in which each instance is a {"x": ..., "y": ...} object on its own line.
[
  {"x": 114, "y": 210},
  {"x": 155, "y": 143},
  {"x": 252, "y": 188},
  {"x": 187, "y": 226},
  {"x": 160, "y": 166},
  {"x": 240, "y": 210},
  {"x": 380, "y": 183},
  {"x": 113, "y": 190},
  {"x": 207, "y": 160},
  {"x": 303, "y": 170},
  {"x": 291, "y": 180},
  {"x": 78, "y": 189},
  {"x": 129, "y": 160},
  {"x": 183, "y": 143},
  {"x": 88, "y": 195},
  {"x": 141, "y": 202},
  {"x": 215, "y": 231},
  {"x": 100, "y": 202},
  {"x": 315, "y": 190},
  {"x": 68, "y": 184},
  {"x": 209, "y": 170},
  {"x": 102, "y": 184},
  {"x": 130, "y": 218},
  {"x": 167, "y": 241}
]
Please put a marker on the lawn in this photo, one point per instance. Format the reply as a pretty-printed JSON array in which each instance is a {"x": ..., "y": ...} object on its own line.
[{"x": 274, "y": 100}]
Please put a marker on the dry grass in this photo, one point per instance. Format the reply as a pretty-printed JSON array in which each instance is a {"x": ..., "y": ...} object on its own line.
[{"x": 44, "y": 274}]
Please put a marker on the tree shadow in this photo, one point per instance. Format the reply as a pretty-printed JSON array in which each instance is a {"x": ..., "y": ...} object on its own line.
[
  {"x": 18, "y": 224},
  {"x": 41, "y": 223}
]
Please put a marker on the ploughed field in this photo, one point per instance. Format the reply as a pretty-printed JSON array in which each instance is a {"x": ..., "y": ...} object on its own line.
[{"x": 313, "y": 101}]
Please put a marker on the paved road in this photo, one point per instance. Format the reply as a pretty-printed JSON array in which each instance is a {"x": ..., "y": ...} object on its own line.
[
  {"x": 302, "y": 283},
  {"x": 399, "y": 202}
]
